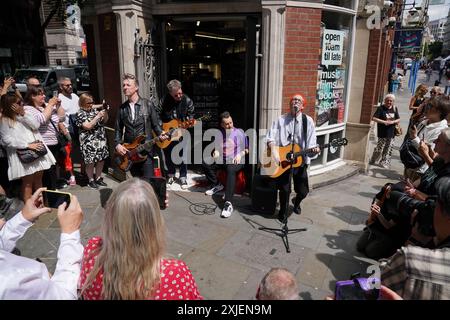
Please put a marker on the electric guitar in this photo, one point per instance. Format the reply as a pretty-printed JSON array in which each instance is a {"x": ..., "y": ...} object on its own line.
[
  {"x": 274, "y": 170},
  {"x": 174, "y": 125}
]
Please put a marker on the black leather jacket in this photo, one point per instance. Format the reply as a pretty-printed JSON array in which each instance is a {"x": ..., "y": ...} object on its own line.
[
  {"x": 170, "y": 109},
  {"x": 135, "y": 128}
]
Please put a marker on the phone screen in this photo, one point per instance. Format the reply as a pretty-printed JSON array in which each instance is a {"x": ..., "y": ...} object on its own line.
[
  {"x": 53, "y": 199},
  {"x": 55, "y": 93},
  {"x": 349, "y": 292}
]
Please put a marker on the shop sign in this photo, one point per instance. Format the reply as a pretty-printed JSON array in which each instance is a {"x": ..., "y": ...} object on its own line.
[{"x": 332, "y": 47}]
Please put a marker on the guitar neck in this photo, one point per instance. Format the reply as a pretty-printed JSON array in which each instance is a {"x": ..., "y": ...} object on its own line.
[
  {"x": 303, "y": 152},
  {"x": 143, "y": 146}
]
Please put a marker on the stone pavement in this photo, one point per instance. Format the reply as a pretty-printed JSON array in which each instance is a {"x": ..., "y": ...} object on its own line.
[{"x": 228, "y": 257}]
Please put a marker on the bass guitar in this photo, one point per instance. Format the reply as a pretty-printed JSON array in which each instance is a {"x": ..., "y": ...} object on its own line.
[
  {"x": 175, "y": 125},
  {"x": 273, "y": 169}
]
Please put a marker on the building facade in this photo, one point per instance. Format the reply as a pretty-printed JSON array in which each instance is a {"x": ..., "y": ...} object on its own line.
[{"x": 249, "y": 57}]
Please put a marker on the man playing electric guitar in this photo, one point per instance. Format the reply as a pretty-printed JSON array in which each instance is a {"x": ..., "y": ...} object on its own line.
[
  {"x": 138, "y": 117},
  {"x": 280, "y": 135},
  {"x": 175, "y": 105}
]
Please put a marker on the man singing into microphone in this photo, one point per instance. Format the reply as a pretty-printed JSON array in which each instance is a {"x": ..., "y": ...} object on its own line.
[{"x": 282, "y": 134}]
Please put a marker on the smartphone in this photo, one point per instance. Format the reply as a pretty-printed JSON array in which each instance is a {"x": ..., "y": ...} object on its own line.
[
  {"x": 358, "y": 289},
  {"x": 55, "y": 93},
  {"x": 53, "y": 199}
]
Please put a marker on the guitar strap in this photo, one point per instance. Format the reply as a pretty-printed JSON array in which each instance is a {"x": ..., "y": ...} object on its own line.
[{"x": 305, "y": 137}]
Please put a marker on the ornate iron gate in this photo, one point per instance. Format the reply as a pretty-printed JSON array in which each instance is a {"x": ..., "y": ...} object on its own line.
[{"x": 145, "y": 56}]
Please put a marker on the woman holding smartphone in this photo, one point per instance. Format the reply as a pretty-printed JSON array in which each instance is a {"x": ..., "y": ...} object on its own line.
[
  {"x": 50, "y": 117},
  {"x": 19, "y": 130},
  {"x": 93, "y": 145}
]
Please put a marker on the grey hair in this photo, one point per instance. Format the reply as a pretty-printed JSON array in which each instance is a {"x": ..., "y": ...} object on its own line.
[
  {"x": 389, "y": 95},
  {"x": 278, "y": 284},
  {"x": 443, "y": 194},
  {"x": 173, "y": 84},
  {"x": 129, "y": 76},
  {"x": 62, "y": 79}
]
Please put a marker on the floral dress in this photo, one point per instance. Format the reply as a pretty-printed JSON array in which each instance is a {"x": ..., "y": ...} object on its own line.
[{"x": 93, "y": 143}]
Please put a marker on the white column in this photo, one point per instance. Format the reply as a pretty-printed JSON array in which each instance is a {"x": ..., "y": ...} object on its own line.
[
  {"x": 126, "y": 26},
  {"x": 273, "y": 35}
]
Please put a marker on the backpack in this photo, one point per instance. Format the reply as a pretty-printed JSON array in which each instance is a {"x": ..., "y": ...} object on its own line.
[
  {"x": 73, "y": 129},
  {"x": 410, "y": 156}
]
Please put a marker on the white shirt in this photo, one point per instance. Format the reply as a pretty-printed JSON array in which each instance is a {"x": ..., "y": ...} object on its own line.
[
  {"x": 23, "y": 278},
  {"x": 282, "y": 129},
  {"x": 428, "y": 133},
  {"x": 133, "y": 111},
  {"x": 70, "y": 105}
]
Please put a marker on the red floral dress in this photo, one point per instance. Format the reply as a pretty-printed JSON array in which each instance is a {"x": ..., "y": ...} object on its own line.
[{"x": 177, "y": 282}]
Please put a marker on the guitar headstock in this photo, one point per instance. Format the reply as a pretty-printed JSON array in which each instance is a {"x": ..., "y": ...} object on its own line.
[
  {"x": 339, "y": 142},
  {"x": 205, "y": 117}
]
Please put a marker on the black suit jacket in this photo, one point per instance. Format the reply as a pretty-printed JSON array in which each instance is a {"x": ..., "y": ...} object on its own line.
[{"x": 136, "y": 127}]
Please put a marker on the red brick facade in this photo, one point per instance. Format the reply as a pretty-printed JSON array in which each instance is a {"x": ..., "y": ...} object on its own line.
[{"x": 301, "y": 55}]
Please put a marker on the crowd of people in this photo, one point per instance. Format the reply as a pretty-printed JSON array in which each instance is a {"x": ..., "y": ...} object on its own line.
[{"x": 409, "y": 221}]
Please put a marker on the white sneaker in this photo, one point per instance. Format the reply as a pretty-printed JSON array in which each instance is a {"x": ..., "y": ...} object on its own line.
[
  {"x": 214, "y": 190},
  {"x": 227, "y": 210},
  {"x": 183, "y": 183},
  {"x": 170, "y": 180}
]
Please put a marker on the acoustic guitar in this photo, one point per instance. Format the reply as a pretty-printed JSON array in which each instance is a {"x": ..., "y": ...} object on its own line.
[
  {"x": 274, "y": 170},
  {"x": 174, "y": 125}
]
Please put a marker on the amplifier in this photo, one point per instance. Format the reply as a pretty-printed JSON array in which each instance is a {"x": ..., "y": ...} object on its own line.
[{"x": 264, "y": 195}]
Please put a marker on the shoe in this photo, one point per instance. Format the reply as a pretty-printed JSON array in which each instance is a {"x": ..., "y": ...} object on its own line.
[
  {"x": 298, "y": 209},
  {"x": 183, "y": 183},
  {"x": 170, "y": 180},
  {"x": 227, "y": 210},
  {"x": 215, "y": 189},
  {"x": 92, "y": 184},
  {"x": 385, "y": 165},
  {"x": 100, "y": 182},
  {"x": 61, "y": 185},
  {"x": 72, "y": 181}
]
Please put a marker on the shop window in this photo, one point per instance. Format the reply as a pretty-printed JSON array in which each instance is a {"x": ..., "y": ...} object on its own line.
[
  {"x": 319, "y": 159},
  {"x": 340, "y": 3},
  {"x": 333, "y": 69},
  {"x": 334, "y": 153}
]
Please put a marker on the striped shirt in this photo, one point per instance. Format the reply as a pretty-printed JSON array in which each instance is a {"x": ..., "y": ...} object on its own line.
[
  {"x": 417, "y": 273},
  {"x": 46, "y": 129}
]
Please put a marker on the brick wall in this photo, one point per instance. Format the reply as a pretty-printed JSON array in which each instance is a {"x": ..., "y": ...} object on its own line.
[
  {"x": 372, "y": 74},
  {"x": 301, "y": 55},
  {"x": 112, "y": 84}
]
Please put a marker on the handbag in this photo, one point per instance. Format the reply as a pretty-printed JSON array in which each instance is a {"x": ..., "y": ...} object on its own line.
[
  {"x": 409, "y": 155},
  {"x": 28, "y": 155},
  {"x": 62, "y": 140},
  {"x": 398, "y": 130}
]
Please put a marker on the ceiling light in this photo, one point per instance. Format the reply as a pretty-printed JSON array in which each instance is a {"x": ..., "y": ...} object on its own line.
[{"x": 198, "y": 23}]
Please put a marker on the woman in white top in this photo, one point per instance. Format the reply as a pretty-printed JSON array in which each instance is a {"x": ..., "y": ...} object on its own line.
[
  {"x": 50, "y": 117},
  {"x": 19, "y": 130}
]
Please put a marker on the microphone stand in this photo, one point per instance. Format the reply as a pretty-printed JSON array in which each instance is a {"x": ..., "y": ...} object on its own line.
[{"x": 284, "y": 231}]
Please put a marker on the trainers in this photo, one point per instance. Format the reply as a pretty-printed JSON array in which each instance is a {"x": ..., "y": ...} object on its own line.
[
  {"x": 385, "y": 165},
  {"x": 72, "y": 181},
  {"x": 227, "y": 210},
  {"x": 215, "y": 189},
  {"x": 183, "y": 183},
  {"x": 100, "y": 182},
  {"x": 61, "y": 185},
  {"x": 170, "y": 180},
  {"x": 92, "y": 184}
]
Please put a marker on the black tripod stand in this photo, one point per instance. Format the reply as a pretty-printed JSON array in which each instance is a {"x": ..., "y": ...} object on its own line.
[{"x": 284, "y": 231}]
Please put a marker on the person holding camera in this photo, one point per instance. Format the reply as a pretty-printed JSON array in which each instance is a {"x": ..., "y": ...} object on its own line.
[
  {"x": 94, "y": 148},
  {"x": 428, "y": 130},
  {"x": 50, "y": 117},
  {"x": 19, "y": 130},
  {"x": 35, "y": 283},
  {"x": 128, "y": 262},
  {"x": 420, "y": 273}
]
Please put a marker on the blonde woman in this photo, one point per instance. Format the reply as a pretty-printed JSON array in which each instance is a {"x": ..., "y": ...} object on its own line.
[
  {"x": 93, "y": 143},
  {"x": 19, "y": 130},
  {"x": 418, "y": 98},
  {"x": 128, "y": 262}
]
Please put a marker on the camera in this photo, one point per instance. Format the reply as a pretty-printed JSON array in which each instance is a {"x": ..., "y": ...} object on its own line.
[
  {"x": 104, "y": 106},
  {"x": 388, "y": 4},
  {"x": 406, "y": 205},
  {"x": 358, "y": 289}
]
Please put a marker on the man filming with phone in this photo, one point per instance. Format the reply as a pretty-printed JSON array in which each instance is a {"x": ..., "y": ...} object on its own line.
[{"x": 36, "y": 283}]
